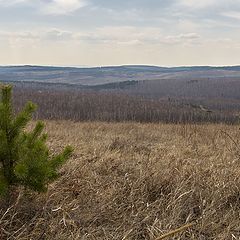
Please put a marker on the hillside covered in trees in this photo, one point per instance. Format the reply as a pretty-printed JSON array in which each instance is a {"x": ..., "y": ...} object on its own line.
[{"x": 129, "y": 93}]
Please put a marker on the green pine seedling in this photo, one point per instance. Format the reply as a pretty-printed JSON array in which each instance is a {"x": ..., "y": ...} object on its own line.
[{"x": 24, "y": 156}]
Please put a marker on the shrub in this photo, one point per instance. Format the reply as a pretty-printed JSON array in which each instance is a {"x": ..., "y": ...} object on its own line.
[{"x": 24, "y": 156}]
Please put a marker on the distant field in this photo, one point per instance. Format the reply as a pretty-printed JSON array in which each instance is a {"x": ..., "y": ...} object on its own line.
[{"x": 135, "y": 181}]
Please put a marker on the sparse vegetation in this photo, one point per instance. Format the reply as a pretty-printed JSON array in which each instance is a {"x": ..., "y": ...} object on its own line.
[{"x": 135, "y": 181}]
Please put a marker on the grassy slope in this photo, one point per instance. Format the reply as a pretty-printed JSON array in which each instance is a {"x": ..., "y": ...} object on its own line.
[{"x": 135, "y": 181}]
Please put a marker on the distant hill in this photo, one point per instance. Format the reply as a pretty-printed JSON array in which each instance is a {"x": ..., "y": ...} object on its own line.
[
  {"x": 112, "y": 74},
  {"x": 135, "y": 92}
]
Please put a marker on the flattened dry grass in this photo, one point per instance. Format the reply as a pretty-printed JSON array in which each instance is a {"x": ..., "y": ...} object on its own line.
[{"x": 134, "y": 181}]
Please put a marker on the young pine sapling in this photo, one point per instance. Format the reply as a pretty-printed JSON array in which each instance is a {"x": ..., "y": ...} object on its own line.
[{"x": 24, "y": 156}]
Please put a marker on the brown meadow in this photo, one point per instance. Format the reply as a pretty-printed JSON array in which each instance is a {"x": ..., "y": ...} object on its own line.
[{"x": 134, "y": 181}]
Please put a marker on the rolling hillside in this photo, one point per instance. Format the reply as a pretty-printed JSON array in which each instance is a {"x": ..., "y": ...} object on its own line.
[
  {"x": 120, "y": 93},
  {"x": 105, "y": 75}
]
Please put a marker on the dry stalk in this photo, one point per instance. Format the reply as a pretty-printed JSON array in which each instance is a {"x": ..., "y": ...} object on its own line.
[{"x": 174, "y": 232}]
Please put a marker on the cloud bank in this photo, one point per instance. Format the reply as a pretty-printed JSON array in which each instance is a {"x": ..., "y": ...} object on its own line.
[{"x": 98, "y": 32}]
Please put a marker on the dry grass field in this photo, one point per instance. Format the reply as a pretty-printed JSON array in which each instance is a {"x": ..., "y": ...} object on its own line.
[{"x": 134, "y": 181}]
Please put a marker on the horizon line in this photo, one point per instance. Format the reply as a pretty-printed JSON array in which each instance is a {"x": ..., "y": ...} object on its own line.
[{"x": 120, "y": 65}]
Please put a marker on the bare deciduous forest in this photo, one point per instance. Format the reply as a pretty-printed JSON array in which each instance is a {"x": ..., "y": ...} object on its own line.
[
  {"x": 129, "y": 93},
  {"x": 117, "y": 106}
]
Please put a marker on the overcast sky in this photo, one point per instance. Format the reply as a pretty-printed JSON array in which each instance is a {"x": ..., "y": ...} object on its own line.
[{"x": 116, "y": 32}]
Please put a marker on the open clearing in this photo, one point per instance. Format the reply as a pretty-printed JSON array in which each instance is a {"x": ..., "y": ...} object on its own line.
[{"x": 135, "y": 181}]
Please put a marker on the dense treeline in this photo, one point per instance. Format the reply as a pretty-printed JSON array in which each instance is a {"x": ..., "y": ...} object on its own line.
[{"x": 85, "y": 105}]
